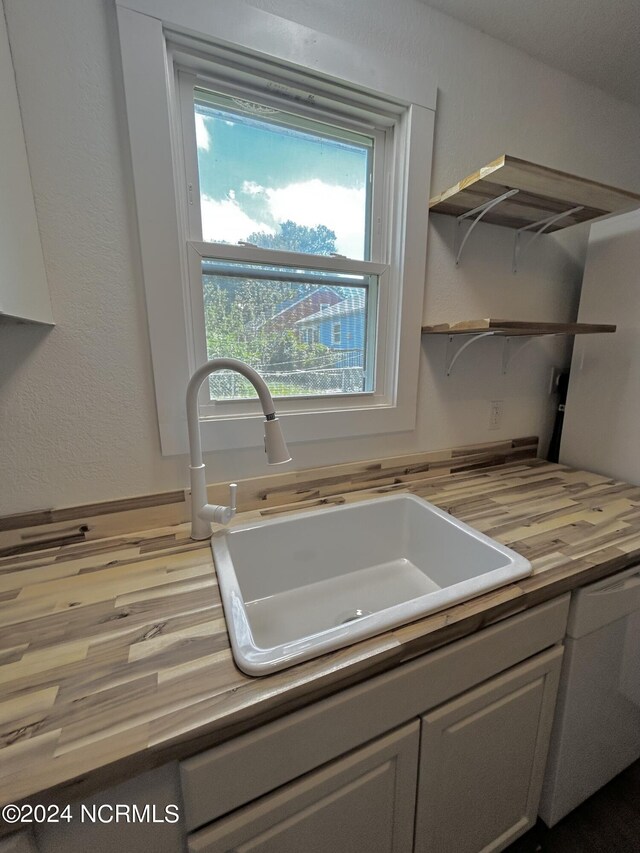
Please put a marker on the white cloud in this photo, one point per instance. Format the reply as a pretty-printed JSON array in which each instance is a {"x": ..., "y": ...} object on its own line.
[
  {"x": 309, "y": 203},
  {"x": 203, "y": 140},
  {"x": 226, "y": 221},
  {"x": 252, "y": 188},
  {"x": 314, "y": 203}
]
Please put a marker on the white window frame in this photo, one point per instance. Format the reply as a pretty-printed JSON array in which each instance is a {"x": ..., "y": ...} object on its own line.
[{"x": 155, "y": 37}]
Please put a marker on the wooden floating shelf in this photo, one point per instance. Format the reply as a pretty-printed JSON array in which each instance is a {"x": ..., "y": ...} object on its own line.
[
  {"x": 541, "y": 193},
  {"x": 525, "y": 331},
  {"x": 511, "y": 328}
]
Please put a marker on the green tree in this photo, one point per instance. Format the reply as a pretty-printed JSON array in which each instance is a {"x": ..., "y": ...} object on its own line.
[
  {"x": 291, "y": 237},
  {"x": 236, "y": 311}
]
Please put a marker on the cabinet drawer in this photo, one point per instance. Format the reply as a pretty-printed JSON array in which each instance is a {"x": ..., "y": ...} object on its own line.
[
  {"x": 364, "y": 801},
  {"x": 240, "y": 770}
]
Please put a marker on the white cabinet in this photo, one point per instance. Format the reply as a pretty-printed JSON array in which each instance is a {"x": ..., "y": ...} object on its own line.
[
  {"x": 596, "y": 732},
  {"x": 482, "y": 760},
  {"x": 443, "y": 753},
  {"x": 326, "y": 778},
  {"x": 24, "y": 292},
  {"x": 362, "y": 802},
  {"x": 156, "y": 825}
]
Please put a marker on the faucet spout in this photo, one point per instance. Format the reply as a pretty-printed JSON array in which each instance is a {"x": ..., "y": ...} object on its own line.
[{"x": 202, "y": 512}]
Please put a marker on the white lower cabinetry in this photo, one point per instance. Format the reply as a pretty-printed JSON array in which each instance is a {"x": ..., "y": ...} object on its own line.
[
  {"x": 364, "y": 801},
  {"x": 460, "y": 772},
  {"x": 477, "y": 763},
  {"x": 444, "y": 754},
  {"x": 482, "y": 760}
]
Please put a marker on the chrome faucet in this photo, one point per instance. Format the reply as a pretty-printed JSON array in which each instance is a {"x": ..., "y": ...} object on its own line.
[{"x": 203, "y": 513}]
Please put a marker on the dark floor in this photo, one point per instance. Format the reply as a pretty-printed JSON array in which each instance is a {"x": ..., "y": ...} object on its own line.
[{"x": 608, "y": 822}]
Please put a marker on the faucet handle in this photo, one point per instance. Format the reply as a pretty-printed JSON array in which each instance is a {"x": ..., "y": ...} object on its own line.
[{"x": 223, "y": 514}]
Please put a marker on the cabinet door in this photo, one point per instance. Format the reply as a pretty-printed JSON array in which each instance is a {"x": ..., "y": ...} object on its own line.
[
  {"x": 361, "y": 803},
  {"x": 482, "y": 760},
  {"x": 102, "y": 830}
]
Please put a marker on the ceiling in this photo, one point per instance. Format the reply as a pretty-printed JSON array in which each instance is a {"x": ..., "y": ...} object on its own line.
[{"x": 597, "y": 41}]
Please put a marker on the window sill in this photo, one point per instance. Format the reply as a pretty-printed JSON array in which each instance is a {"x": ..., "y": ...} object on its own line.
[{"x": 246, "y": 431}]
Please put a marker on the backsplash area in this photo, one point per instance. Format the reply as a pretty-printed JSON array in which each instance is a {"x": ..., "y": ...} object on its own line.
[{"x": 51, "y": 528}]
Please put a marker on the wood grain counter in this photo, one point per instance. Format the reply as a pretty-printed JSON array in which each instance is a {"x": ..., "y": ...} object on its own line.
[{"x": 114, "y": 655}]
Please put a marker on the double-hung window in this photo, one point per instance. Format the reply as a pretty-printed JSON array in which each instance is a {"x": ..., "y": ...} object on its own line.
[
  {"x": 285, "y": 210},
  {"x": 282, "y": 215}
]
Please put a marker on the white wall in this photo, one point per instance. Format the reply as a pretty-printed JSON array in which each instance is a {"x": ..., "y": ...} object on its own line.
[
  {"x": 602, "y": 420},
  {"x": 77, "y": 414}
]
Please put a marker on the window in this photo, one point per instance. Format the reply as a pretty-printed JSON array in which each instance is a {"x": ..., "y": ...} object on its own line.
[
  {"x": 298, "y": 194},
  {"x": 268, "y": 317},
  {"x": 282, "y": 221}
]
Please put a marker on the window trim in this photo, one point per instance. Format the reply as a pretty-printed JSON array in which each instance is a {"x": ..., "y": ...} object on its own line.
[
  {"x": 235, "y": 23},
  {"x": 145, "y": 27}
]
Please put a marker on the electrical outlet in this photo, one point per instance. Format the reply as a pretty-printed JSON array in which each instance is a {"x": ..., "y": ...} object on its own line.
[{"x": 496, "y": 408}]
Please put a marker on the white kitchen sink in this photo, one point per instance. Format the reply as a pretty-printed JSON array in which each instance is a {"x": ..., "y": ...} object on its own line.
[{"x": 296, "y": 587}]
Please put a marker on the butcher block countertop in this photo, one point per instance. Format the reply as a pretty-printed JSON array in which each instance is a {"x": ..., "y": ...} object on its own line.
[{"x": 114, "y": 655}]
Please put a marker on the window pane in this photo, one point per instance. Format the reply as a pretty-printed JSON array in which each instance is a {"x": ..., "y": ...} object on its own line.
[
  {"x": 305, "y": 332},
  {"x": 281, "y": 181}
]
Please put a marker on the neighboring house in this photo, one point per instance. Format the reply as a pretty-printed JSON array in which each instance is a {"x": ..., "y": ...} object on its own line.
[
  {"x": 340, "y": 326},
  {"x": 294, "y": 309}
]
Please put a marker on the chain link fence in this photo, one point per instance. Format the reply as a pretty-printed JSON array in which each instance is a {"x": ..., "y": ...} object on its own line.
[{"x": 293, "y": 383}]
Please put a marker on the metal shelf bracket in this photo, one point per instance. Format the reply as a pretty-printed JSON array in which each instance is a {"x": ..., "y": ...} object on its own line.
[
  {"x": 478, "y": 212},
  {"x": 540, "y": 227},
  {"x": 454, "y": 353},
  {"x": 511, "y": 348}
]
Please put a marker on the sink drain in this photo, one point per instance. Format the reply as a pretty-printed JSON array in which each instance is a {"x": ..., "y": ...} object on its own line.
[{"x": 351, "y": 616}]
